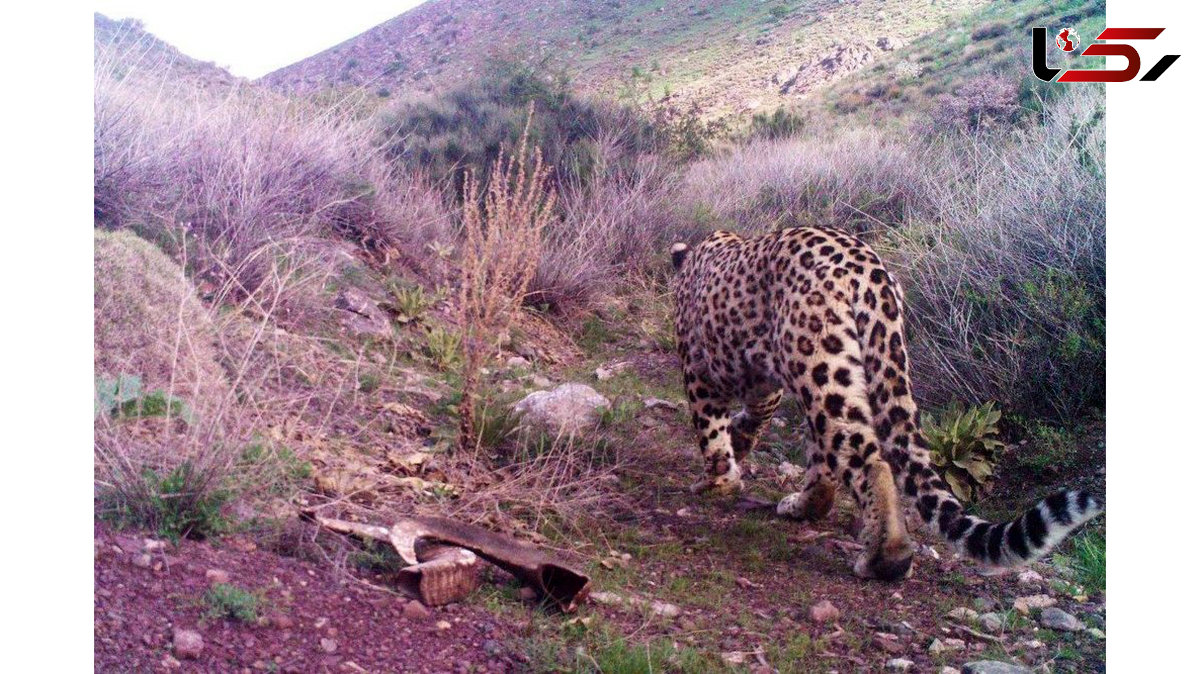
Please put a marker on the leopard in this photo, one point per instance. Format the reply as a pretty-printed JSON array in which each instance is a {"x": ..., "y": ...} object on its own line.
[{"x": 812, "y": 312}]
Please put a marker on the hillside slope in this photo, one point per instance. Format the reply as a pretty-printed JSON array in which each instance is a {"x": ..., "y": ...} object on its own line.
[
  {"x": 729, "y": 56},
  {"x": 128, "y": 50}
]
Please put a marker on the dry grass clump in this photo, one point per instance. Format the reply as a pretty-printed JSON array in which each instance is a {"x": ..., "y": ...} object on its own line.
[
  {"x": 252, "y": 176},
  {"x": 502, "y": 241},
  {"x": 1004, "y": 269},
  {"x": 858, "y": 179},
  {"x": 619, "y": 225}
]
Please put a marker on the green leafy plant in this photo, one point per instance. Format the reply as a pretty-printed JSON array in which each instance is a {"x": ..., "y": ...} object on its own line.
[
  {"x": 443, "y": 347},
  {"x": 963, "y": 444},
  {"x": 122, "y": 396},
  {"x": 410, "y": 302},
  {"x": 228, "y": 601}
]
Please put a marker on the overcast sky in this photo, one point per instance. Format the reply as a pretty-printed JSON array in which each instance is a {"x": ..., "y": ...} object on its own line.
[{"x": 253, "y": 37}]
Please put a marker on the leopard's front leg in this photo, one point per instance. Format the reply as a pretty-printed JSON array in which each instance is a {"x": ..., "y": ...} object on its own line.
[{"x": 710, "y": 417}]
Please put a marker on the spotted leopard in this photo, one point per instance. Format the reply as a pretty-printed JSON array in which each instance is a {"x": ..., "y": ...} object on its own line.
[{"x": 813, "y": 312}]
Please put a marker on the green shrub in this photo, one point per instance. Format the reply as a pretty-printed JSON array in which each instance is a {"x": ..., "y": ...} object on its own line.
[
  {"x": 963, "y": 444},
  {"x": 443, "y": 347},
  {"x": 178, "y": 504},
  {"x": 779, "y": 124},
  {"x": 227, "y": 601}
]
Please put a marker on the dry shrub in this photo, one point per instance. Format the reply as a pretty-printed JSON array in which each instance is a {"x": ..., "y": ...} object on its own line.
[
  {"x": 857, "y": 179},
  {"x": 981, "y": 104},
  {"x": 616, "y": 226},
  {"x": 1004, "y": 268},
  {"x": 252, "y": 176},
  {"x": 502, "y": 240}
]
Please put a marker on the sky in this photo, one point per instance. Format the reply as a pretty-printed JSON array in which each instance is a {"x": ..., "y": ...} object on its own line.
[{"x": 254, "y": 37}]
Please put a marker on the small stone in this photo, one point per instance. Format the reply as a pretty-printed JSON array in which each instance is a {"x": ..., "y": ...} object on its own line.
[
  {"x": 948, "y": 670},
  {"x": 444, "y": 625},
  {"x": 683, "y": 512},
  {"x": 936, "y": 646},
  {"x": 329, "y": 645},
  {"x": 986, "y": 604},
  {"x": 747, "y": 584},
  {"x": 283, "y": 622},
  {"x": 528, "y": 594},
  {"x": 662, "y": 608},
  {"x": 734, "y": 657},
  {"x": 606, "y": 372},
  {"x": 991, "y": 623},
  {"x": 659, "y": 403},
  {"x": 789, "y": 471},
  {"x": 888, "y": 643},
  {"x": 1058, "y": 619},
  {"x": 492, "y": 647},
  {"x": 898, "y": 665},
  {"x": 170, "y": 662},
  {"x": 321, "y": 622},
  {"x": 516, "y": 362},
  {"x": 1095, "y": 633},
  {"x": 1029, "y": 577},
  {"x": 1024, "y": 604},
  {"x": 606, "y": 598},
  {"x": 216, "y": 576},
  {"x": 540, "y": 382},
  {"x": 955, "y": 644},
  {"x": 142, "y": 561},
  {"x": 415, "y": 610},
  {"x": 993, "y": 667},
  {"x": 963, "y": 614},
  {"x": 1032, "y": 644},
  {"x": 824, "y": 611},
  {"x": 150, "y": 545},
  {"x": 188, "y": 644}
]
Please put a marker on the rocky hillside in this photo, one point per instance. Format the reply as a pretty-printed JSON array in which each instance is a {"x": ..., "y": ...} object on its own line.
[
  {"x": 730, "y": 56},
  {"x": 126, "y": 47}
]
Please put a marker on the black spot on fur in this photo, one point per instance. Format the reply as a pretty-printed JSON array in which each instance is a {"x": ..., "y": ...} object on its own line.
[
  {"x": 1059, "y": 508},
  {"x": 1035, "y": 527}
]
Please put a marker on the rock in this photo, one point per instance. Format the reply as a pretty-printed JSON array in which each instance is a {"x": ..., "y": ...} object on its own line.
[
  {"x": 610, "y": 370},
  {"x": 659, "y": 403},
  {"x": 528, "y": 594},
  {"x": 152, "y": 546},
  {"x": 747, "y": 584},
  {"x": 991, "y": 623},
  {"x": 1024, "y": 604},
  {"x": 993, "y": 667},
  {"x": 664, "y": 609},
  {"x": 1029, "y": 577},
  {"x": 361, "y": 315},
  {"x": 540, "y": 381},
  {"x": 329, "y": 645},
  {"x": 948, "y": 670},
  {"x": 1058, "y": 619},
  {"x": 1032, "y": 644},
  {"x": 283, "y": 622},
  {"x": 889, "y": 43},
  {"x": 169, "y": 662},
  {"x": 823, "y": 612},
  {"x": 936, "y": 647},
  {"x": 415, "y": 610},
  {"x": 216, "y": 576},
  {"x": 898, "y": 665},
  {"x": 516, "y": 362},
  {"x": 785, "y": 77},
  {"x": 606, "y": 598},
  {"x": 734, "y": 657},
  {"x": 888, "y": 643},
  {"x": 188, "y": 644},
  {"x": 569, "y": 408},
  {"x": 986, "y": 604},
  {"x": 963, "y": 614},
  {"x": 143, "y": 561},
  {"x": 1095, "y": 633},
  {"x": 444, "y": 625}
]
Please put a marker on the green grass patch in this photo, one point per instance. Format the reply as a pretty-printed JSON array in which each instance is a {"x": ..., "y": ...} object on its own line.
[{"x": 228, "y": 601}]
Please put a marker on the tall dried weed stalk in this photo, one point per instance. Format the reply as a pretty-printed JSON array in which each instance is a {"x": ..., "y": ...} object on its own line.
[{"x": 502, "y": 243}]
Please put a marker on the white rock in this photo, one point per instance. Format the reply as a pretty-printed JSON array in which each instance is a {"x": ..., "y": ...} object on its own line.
[
  {"x": 570, "y": 408},
  {"x": 606, "y": 372},
  {"x": 993, "y": 667},
  {"x": 963, "y": 614},
  {"x": 991, "y": 622},
  {"x": 1029, "y": 577},
  {"x": 898, "y": 665},
  {"x": 188, "y": 644},
  {"x": 1024, "y": 604}
]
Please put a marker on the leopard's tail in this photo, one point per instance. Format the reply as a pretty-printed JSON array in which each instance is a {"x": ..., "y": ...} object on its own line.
[{"x": 1012, "y": 543}]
